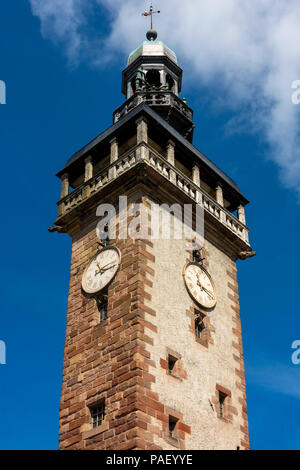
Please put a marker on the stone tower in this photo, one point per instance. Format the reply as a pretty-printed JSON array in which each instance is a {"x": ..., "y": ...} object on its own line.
[{"x": 153, "y": 349}]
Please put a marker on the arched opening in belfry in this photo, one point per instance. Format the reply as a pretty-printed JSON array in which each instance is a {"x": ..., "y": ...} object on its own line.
[
  {"x": 170, "y": 83},
  {"x": 133, "y": 85},
  {"x": 153, "y": 78}
]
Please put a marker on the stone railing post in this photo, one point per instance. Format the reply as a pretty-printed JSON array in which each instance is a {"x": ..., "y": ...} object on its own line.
[
  {"x": 196, "y": 175},
  {"x": 64, "y": 185},
  {"x": 171, "y": 152},
  {"x": 114, "y": 150},
  {"x": 220, "y": 200},
  {"x": 63, "y": 193},
  {"x": 114, "y": 155},
  {"x": 171, "y": 159},
  {"x": 142, "y": 130},
  {"x": 241, "y": 214},
  {"x": 242, "y": 218},
  {"x": 219, "y": 195},
  {"x": 88, "y": 174},
  {"x": 142, "y": 138},
  {"x": 196, "y": 179}
]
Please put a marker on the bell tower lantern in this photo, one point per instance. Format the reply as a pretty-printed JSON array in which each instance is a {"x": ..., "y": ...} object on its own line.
[{"x": 153, "y": 76}]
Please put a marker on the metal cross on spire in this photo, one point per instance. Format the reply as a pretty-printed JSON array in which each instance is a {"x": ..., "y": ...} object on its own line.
[{"x": 150, "y": 13}]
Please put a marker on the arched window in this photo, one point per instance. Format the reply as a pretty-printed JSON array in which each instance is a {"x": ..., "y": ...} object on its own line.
[
  {"x": 170, "y": 83},
  {"x": 153, "y": 78}
]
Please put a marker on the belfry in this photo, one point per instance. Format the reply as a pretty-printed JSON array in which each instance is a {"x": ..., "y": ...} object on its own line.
[{"x": 153, "y": 350}]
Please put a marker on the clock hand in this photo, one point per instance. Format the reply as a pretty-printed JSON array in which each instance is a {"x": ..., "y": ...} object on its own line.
[
  {"x": 202, "y": 287},
  {"x": 208, "y": 292},
  {"x": 99, "y": 269},
  {"x": 108, "y": 265},
  {"x": 105, "y": 268}
]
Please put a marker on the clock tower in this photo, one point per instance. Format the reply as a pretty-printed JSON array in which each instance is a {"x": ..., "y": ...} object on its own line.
[{"x": 153, "y": 349}]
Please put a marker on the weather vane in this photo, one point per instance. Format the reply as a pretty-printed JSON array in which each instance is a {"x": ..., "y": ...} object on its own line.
[{"x": 150, "y": 13}]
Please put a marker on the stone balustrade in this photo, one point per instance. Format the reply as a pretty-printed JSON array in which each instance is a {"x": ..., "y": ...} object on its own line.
[
  {"x": 144, "y": 152},
  {"x": 153, "y": 98}
]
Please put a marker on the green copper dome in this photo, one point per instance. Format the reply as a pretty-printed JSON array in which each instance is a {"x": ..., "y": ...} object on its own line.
[{"x": 152, "y": 48}]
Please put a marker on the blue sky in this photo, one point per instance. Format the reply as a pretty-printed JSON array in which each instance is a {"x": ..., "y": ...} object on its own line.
[{"x": 56, "y": 103}]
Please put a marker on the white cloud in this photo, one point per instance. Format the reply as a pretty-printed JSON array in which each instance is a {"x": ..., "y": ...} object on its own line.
[
  {"x": 279, "y": 378},
  {"x": 248, "y": 50}
]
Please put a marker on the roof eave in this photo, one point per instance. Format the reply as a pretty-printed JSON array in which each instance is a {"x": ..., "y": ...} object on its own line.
[{"x": 176, "y": 136}]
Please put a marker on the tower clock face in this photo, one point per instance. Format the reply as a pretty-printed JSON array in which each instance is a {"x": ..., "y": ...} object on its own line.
[
  {"x": 101, "y": 270},
  {"x": 200, "y": 285}
]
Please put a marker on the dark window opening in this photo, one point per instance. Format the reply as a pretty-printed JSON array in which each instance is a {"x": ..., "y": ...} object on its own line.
[
  {"x": 170, "y": 83},
  {"x": 222, "y": 398},
  {"x": 172, "y": 426},
  {"x": 102, "y": 304},
  {"x": 171, "y": 363},
  {"x": 197, "y": 256},
  {"x": 153, "y": 78},
  {"x": 98, "y": 414},
  {"x": 199, "y": 324}
]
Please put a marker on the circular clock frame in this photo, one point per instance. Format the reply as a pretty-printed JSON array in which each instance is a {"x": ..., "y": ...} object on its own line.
[
  {"x": 93, "y": 292},
  {"x": 193, "y": 263}
]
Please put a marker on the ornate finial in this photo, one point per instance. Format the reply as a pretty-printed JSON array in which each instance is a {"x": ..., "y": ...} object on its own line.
[{"x": 151, "y": 34}]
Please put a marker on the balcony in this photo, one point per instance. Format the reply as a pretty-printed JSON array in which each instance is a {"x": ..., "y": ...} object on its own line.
[
  {"x": 159, "y": 99},
  {"x": 144, "y": 153}
]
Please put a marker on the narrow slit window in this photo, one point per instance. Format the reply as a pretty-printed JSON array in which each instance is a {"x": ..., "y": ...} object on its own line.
[
  {"x": 196, "y": 256},
  {"x": 171, "y": 363},
  {"x": 98, "y": 414},
  {"x": 102, "y": 304},
  {"x": 172, "y": 426},
  {"x": 199, "y": 324},
  {"x": 222, "y": 398}
]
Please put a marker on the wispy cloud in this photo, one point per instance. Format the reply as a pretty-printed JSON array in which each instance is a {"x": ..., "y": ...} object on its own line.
[
  {"x": 279, "y": 378},
  {"x": 248, "y": 51}
]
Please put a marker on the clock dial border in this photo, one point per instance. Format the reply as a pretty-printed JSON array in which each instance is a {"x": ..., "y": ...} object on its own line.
[
  {"x": 193, "y": 263},
  {"x": 92, "y": 292}
]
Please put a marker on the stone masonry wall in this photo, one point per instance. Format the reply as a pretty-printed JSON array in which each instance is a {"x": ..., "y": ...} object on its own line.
[{"x": 123, "y": 360}]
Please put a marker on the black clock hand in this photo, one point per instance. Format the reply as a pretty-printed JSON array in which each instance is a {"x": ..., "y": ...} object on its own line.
[
  {"x": 106, "y": 269},
  {"x": 203, "y": 288}
]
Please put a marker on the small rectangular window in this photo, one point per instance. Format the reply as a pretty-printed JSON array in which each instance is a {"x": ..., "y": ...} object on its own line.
[
  {"x": 102, "y": 304},
  {"x": 197, "y": 256},
  {"x": 199, "y": 324},
  {"x": 222, "y": 398},
  {"x": 171, "y": 363},
  {"x": 98, "y": 414},
  {"x": 172, "y": 426}
]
